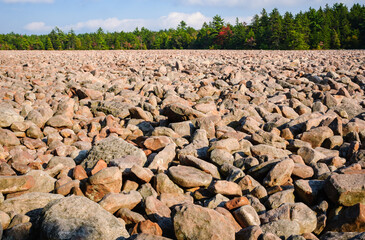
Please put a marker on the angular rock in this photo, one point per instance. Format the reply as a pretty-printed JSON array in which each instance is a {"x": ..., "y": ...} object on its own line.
[
  {"x": 346, "y": 189},
  {"x": 8, "y": 138},
  {"x": 157, "y": 142},
  {"x": 201, "y": 164},
  {"x": 316, "y": 136},
  {"x": 269, "y": 151},
  {"x": 165, "y": 185},
  {"x": 246, "y": 216},
  {"x": 107, "y": 180},
  {"x": 163, "y": 158},
  {"x": 309, "y": 191},
  {"x": 280, "y": 173}
]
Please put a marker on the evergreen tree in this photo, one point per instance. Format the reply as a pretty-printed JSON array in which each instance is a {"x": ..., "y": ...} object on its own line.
[
  {"x": 49, "y": 45},
  {"x": 275, "y": 29}
]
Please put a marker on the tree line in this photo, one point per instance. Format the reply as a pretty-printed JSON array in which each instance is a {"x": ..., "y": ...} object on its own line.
[{"x": 335, "y": 27}]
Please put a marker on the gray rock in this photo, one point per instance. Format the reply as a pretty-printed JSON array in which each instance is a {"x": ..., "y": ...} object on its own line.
[
  {"x": 275, "y": 200},
  {"x": 78, "y": 217},
  {"x": 111, "y": 148},
  {"x": 115, "y": 108},
  {"x": 8, "y": 115},
  {"x": 43, "y": 182},
  {"x": 246, "y": 216},
  {"x": 178, "y": 112},
  {"x": 29, "y": 203},
  {"x": 281, "y": 228}
]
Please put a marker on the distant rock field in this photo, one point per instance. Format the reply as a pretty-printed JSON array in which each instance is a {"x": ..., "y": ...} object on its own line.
[{"x": 186, "y": 145}]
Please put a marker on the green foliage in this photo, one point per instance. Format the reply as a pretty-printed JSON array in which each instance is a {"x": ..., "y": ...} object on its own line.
[{"x": 333, "y": 27}]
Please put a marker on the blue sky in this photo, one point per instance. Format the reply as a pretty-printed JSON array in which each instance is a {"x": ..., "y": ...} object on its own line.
[{"x": 41, "y": 16}]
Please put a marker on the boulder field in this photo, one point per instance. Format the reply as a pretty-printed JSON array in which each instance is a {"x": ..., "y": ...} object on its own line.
[{"x": 210, "y": 145}]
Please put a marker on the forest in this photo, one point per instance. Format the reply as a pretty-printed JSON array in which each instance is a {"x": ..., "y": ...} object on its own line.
[{"x": 336, "y": 27}]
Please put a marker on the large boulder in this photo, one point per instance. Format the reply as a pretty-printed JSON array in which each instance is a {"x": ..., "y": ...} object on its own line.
[
  {"x": 111, "y": 148},
  {"x": 79, "y": 218},
  {"x": 30, "y": 204},
  {"x": 196, "y": 222},
  {"x": 346, "y": 189}
]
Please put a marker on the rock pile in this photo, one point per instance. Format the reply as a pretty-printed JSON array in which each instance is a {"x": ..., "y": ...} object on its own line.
[{"x": 182, "y": 145}]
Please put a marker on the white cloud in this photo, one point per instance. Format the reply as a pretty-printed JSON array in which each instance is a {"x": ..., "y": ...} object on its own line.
[
  {"x": 194, "y": 20},
  {"x": 109, "y": 24},
  {"x": 37, "y": 27},
  {"x": 172, "y": 20},
  {"x": 28, "y": 1}
]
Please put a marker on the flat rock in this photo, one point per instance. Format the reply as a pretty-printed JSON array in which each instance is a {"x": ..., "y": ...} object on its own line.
[
  {"x": 270, "y": 151},
  {"x": 12, "y": 184},
  {"x": 178, "y": 112},
  {"x": 189, "y": 177},
  {"x": 201, "y": 164},
  {"x": 111, "y": 148},
  {"x": 43, "y": 181},
  {"x": 29, "y": 203},
  {"x": 112, "y": 202}
]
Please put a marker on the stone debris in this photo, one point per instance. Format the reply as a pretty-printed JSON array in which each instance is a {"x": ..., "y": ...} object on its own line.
[{"x": 182, "y": 145}]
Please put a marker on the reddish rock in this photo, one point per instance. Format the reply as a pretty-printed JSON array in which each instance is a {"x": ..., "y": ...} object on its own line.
[
  {"x": 157, "y": 142},
  {"x": 79, "y": 173},
  {"x": 236, "y": 203},
  {"x": 99, "y": 166},
  {"x": 148, "y": 227},
  {"x": 107, "y": 180}
]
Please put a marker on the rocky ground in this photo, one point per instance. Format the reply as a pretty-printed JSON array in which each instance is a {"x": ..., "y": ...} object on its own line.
[{"x": 182, "y": 145}]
